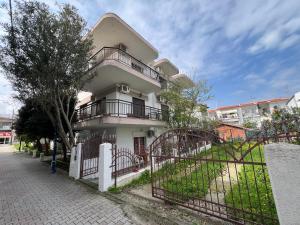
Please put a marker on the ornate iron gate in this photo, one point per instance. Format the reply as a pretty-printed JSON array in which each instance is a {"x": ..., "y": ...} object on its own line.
[
  {"x": 90, "y": 154},
  {"x": 124, "y": 161},
  {"x": 199, "y": 170}
]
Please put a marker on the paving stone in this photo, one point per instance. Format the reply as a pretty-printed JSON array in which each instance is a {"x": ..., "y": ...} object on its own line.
[{"x": 30, "y": 194}]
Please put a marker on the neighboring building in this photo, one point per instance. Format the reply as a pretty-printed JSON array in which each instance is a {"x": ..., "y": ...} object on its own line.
[
  {"x": 124, "y": 103},
  {"x": 294, "y": 101},
  {"x": 248, "y": 112},
  {"x": 229, "y": 131},
  {"x": 6, "y": 133}
]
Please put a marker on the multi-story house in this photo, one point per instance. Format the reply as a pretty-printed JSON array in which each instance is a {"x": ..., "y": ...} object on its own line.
[
  {"x": 127, "y": 78},
  {"x": 248, "y": 112},
  {"x": 6, "y": 133},
  {"x": 294, "y": 101}
]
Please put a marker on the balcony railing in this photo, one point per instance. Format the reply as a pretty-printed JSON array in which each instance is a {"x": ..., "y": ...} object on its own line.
[
  {"x": 120, "y": 108},
  {"x": 110, "y": 53}
]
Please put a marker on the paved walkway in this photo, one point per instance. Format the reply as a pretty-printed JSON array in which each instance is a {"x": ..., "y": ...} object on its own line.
[{"x": 30, "y": 194}]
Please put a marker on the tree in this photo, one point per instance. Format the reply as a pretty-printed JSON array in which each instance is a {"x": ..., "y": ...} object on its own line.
[
  {"x": 251, "y": 125},
  {"x": 33, "y": 123},
  {"x": 186, "y": 103},
  {"x": 45, "y": 55}
]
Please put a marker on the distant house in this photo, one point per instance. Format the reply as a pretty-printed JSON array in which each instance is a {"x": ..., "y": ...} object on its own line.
[
  {"x": 5, "y": 130},
  {"x": 294, "y": 101},
  {"x": 230, "y": 131},
  {"x": 255, "y": 112}
]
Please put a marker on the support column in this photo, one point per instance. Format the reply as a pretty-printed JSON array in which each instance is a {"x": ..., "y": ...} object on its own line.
[
  {"x": 75, "y": 161},
  {"x": 283, "y": 166},
  {"x": 105, "y": 160}
]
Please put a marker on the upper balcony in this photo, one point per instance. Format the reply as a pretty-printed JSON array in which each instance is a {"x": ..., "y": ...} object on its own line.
[
  {"x": 111, "y": 112},
  {"x": 111, "y": 65}
]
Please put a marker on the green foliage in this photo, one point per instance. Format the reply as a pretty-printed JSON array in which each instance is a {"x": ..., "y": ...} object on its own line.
[
  {"x": 144, "y": 178},
  {"x": 45, "y": 56},
  {"x": 186, "y": 103},
  {"x": 283, "y": 121},
  {"x": 251, "y": 125},
  {"x": 33, "y": 123},
  {"x": 196, "y": 183},
  {"x": 253, "y": 192}
]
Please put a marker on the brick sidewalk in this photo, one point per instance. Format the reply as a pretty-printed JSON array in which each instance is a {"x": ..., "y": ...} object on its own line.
[{"x": 30, "y": 194}]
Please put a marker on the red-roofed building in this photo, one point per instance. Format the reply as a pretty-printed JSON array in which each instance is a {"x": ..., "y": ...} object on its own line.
[{"x": 256, "y": 111}]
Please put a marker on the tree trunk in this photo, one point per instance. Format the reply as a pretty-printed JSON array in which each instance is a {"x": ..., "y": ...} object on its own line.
[
  {"x": 20, "y": 145},
  {"x": 39, "y": 145},
  {"x": 64, "y": 152}
]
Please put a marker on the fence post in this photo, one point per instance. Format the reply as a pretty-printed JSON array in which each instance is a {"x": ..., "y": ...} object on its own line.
[
  {"x": 105, "y": 161},
  {"x": 75, "y": 162},
  {"x": 283, "y": 166}
]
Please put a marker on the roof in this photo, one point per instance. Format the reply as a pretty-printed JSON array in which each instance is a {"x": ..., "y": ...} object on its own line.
[
  {"x": 183, "y": 80},
  {"x": 168, "y": 67},
  {"x": 110, "y": 30},
  {"x": 250, "y": 104}
]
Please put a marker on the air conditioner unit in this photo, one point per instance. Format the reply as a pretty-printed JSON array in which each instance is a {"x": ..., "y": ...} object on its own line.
[{"x": 124, "y": 89}]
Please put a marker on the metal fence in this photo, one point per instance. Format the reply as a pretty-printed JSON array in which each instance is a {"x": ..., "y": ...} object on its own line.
[
  {"x": 90, "y": 154},
  {"x": 120, "y": 108},
  {"x": 229, "y": 180},
  {"x": 124, "y": 161},
  {"x": 111, "y": 53}
]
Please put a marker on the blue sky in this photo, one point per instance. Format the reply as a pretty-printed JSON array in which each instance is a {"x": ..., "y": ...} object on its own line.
[{"x": 246, "y": 50}]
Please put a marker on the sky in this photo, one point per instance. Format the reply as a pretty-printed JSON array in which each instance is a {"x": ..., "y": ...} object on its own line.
[{"x": 246, "y": 50}]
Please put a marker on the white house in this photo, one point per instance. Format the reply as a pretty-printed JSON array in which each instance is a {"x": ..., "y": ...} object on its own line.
[
  {"x": 124, "y": 100},
  {"x": 294, "y": 101},
  {"x": 247, "y": 112}
]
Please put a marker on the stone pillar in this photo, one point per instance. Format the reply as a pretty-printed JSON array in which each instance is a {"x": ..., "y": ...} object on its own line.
[
  {"x": 74, "y": 170},
  {"x": 283, "y": 163},
  {"x": 105, "y": 170}
]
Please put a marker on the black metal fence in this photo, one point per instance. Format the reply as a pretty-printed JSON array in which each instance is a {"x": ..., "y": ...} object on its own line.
[
  {"x": 111, "y": 53},
  {"x": 120, "y": 108},
  {"x": 90, "y": 154},
  {"x": 199, "y": 170},
  {"x": 124, "y": 161}
]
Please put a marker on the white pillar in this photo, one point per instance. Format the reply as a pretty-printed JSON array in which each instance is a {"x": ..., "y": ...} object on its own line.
[
  {"x": 283, "y": 166},
  {"x": 105, "y": 160},
  {"x": 74, "y": 170}
]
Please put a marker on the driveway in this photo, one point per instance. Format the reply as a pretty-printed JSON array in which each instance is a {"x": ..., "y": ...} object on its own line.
[{"x": 30, "y": 194}]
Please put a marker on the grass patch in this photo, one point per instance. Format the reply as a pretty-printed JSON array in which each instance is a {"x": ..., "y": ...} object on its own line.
[
  {"x": 254, "y": 178},
  {"x": 192, "y": 178},
  {"x": 196, "y": 183},
  {"x": 144, "y": 178}
]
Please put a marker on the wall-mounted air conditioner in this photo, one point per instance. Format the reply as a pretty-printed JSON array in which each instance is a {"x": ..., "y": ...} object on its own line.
[{"x": 124, "y": 89}]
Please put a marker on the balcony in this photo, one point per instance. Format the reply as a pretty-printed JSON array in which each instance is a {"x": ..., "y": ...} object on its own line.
[
  {"x": 115, "y": 111},
  {"x": 113, "y": 65}
]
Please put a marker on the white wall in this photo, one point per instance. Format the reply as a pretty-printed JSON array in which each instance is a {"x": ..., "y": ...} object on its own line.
[
  {"x": 294, "y": 102},
  {"x": 283, "y": 167},
  {"x": 125, "y": 135}
]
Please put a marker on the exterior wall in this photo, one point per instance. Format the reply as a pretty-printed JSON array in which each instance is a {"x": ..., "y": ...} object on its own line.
[
  {"x": 125, "y": 135},
  {"x": 228, "y": 132},
  {"x": 294, "y": 102},
  {"x": 279, "y": 105},
  {"x": 6, "y": 134}
]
